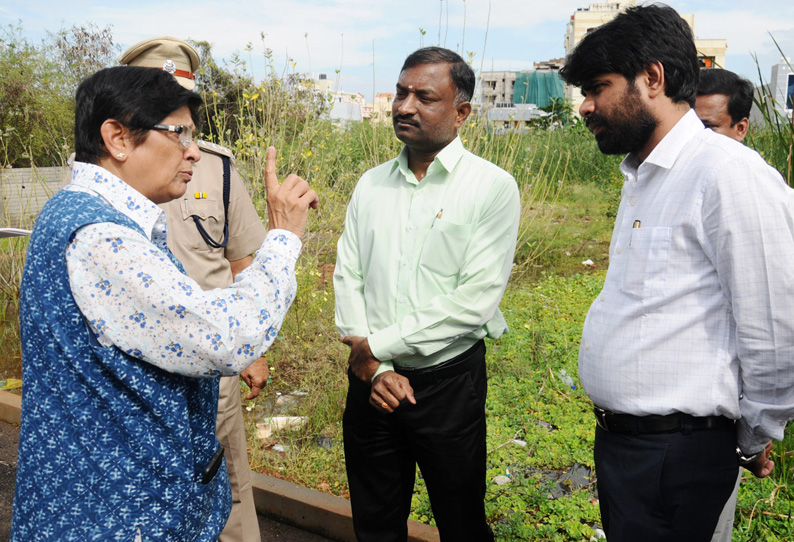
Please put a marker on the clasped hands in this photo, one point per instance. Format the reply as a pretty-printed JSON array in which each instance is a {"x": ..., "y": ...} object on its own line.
[{"x": 389, "y": 389}]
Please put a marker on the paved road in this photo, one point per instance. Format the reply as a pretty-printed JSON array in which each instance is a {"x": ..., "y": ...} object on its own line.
[
  {"x": 9, "y": 438},
  {"x": 272, "y": 531}
]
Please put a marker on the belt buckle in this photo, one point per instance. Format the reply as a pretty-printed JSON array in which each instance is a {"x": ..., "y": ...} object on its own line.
[{"x": 601, "y": 418}]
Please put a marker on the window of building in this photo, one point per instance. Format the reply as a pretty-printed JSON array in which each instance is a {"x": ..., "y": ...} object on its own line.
[{"x": 706, "y": 61}]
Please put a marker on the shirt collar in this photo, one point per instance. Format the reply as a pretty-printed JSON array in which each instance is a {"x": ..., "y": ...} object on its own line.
[
  {"x": 447, "y": 158},
  {"x": 121, "y": 196},
  {"x": 666, "y": 152}
]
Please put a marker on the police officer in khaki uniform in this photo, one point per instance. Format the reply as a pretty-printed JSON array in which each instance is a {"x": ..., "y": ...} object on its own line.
[{"x": 213, "y": 265}]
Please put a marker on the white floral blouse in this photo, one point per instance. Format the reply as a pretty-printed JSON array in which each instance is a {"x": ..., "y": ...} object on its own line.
[{"x": 133, "y": 296}]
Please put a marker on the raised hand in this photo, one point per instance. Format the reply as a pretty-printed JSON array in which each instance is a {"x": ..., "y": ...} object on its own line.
[{"x": 288, "y": 202}]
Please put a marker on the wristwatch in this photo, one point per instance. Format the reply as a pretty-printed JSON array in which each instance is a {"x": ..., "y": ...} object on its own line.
[{"x": 745, "y": 460}]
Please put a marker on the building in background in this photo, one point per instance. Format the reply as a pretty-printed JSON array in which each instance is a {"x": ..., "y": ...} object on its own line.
[
  {"x": 342, "y": 106},
  {"x": 496, "y": 88},
  {"x": 380, "y": 109},
  {"x": 710, "y": 51},
  {"x": 346, "y": 106},
  {"x": 512, "y": 99},
  {"x": 777, "y": 96},
  {"x": 323, "y": 84},
  {"x": 781, "y": 87},
  {"x": 513, "y": 117},
  {"x": 506, "y": 88}
]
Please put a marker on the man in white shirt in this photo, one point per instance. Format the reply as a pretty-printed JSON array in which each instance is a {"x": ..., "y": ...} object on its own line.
[
  {"x": 421, "y": 268},
  {"x": 692, "y": 329}
]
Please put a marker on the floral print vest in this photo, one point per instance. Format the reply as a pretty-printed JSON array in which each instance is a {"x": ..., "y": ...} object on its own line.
[{"x": 110, "y": 446}]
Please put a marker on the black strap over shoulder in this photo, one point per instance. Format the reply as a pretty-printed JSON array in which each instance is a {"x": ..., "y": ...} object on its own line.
[{"x": 226, "y": 185}]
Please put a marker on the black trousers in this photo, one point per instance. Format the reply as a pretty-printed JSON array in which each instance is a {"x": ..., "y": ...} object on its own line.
[
  {"x": 664, "y": 487},
  {"x": 444, "y": 433}
]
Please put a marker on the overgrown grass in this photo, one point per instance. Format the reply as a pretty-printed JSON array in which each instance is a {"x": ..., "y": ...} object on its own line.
[
  {"x": 775, "y": 141},
  {"x": 12, "y": 259},
  {"x": 540, "y": 430},
  {"x": 539, "y": 427}
]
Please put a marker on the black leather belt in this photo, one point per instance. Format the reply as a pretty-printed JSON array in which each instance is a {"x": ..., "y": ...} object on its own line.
[
  {"x": 644, "y": 425},
  {"x": 462, "y": 363}
]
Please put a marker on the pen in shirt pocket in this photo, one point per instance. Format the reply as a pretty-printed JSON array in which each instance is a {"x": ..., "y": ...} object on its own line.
[
  {"x": 635, "y": 226},
  {"x": 437, "y": 217}
]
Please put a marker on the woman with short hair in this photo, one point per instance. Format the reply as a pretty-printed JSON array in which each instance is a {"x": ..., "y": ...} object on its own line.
[{"x": 121, "y": 350}]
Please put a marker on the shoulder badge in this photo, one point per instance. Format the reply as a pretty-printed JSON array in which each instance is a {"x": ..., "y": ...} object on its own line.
[{"x": 213, "y": 148}]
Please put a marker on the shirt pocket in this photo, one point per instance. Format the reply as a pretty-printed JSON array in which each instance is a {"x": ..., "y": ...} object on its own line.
[
  {"x": 646, "y": 265},
  {"x": 210, "y": 214},
  {"x": 444, "y": 247}
]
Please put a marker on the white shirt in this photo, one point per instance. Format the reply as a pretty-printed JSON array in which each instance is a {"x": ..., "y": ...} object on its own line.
[
  {"x": 135, "y": 298},
  {"x": 422, "y": 266},
  {"x": 697, "y": 310}
]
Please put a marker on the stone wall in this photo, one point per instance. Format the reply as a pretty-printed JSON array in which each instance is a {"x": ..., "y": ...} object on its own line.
[{"x": 24, "y": 191}]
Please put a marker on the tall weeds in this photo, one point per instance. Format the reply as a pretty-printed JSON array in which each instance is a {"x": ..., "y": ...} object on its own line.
[{"x": 775, "y": 139}]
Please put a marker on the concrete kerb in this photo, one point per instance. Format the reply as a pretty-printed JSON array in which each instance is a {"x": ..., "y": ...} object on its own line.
[
  {"x": 10, "y": 407},
  {"x": 283, "y": 501},
  {"x": 317, "y": 512}
]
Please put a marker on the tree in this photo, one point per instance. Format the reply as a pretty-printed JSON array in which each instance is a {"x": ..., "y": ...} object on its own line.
[
  {"x": 236, "y": 107},
  {"x": 36, "y": 123},
  {"x": 81, "y": 51},
  {"x": 37, "y": 90}
]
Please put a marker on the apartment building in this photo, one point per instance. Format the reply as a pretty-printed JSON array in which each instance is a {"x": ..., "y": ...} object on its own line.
[{"x": 710, "y": 51}]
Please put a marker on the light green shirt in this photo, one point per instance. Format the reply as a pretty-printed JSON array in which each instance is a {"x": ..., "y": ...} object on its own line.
[{"x": 422, "y": 266}]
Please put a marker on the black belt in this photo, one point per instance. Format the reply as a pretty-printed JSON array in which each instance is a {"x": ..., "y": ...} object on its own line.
[
  {"x": 643, "y": 425},
  {"x": 462, "y": 363}
]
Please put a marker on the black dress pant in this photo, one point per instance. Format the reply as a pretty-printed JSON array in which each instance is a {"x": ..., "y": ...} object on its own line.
[
  {"x": 444, "y": 433},
  {"x": 668, "y": 487}
]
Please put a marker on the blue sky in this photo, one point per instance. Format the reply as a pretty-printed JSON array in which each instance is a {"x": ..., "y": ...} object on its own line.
[{"x": 367, "y": 40}]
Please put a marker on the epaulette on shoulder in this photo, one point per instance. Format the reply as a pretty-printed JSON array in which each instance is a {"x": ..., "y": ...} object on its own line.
[{"x": 214, "y": 148}]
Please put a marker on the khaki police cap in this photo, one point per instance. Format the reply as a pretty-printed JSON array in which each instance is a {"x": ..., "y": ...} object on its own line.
[{"x": 166, "y": 53}]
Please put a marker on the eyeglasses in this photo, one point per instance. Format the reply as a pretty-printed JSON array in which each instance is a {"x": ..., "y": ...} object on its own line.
[{"x": 185, "y": 132}]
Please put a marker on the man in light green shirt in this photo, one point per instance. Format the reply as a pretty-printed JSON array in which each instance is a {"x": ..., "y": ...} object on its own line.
[{"x": 421, "y": 268}]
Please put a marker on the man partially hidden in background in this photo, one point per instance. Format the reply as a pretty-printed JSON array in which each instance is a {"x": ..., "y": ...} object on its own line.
[
  {"x": 692, "y": 329},
  {"x": 421, "y": 268},
  {"x": 214, "y": 247},
  {"x": 723, "y": 102}
]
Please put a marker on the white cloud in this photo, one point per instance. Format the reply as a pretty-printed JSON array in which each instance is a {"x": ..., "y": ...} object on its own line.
[
  {"x": 343, "y": 31},
  {"x": 746, "y": 31}
]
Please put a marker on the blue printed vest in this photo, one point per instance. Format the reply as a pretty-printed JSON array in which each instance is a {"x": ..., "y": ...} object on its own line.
[{"x": 109, "y": 446}]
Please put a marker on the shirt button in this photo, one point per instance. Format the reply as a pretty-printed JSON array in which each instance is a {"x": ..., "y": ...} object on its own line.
[
  {"x": 619, "y": 250},
  {"x": 405, "y": 263},
  {"x": 587, "y": 347},
  {"x": 633, "y": 202},
  {"x": 410, "y": 227},
  {"x": 401, "y": 299}
]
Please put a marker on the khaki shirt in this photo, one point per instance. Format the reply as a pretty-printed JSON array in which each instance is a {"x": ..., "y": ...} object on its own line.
[{"x": 206, "y": 265}]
